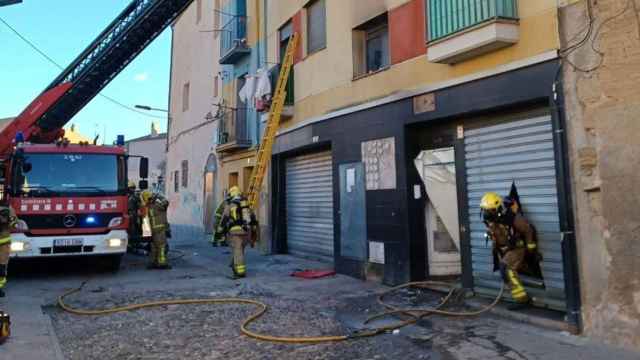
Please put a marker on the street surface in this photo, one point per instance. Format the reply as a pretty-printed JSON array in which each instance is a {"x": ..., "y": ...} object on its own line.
[{"x": 298, "y": 307}]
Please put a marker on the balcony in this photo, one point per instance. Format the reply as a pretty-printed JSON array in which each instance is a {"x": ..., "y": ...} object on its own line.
[
  {"x": 287, "y": 110},
  {"x": 233, "y": 133},
  {"x": 461, "y": 29},
  {"x": 233, "y": 40}
]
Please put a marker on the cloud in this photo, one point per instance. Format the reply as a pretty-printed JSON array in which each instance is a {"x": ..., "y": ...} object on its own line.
[{"x": 141, "y": 77}]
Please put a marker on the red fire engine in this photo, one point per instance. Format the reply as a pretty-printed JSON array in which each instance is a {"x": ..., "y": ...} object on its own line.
[{"x": 71, "y": 199}]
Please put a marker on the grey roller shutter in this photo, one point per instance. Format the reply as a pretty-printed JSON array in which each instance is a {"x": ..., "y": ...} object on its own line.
[
  {"x": 495, "y": 156},
  {"x": 309, "y": 192}
]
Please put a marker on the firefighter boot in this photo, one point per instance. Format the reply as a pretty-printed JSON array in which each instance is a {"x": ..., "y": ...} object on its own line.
[
  {"x": 5, "y": 323},
  {"x": 518, "y": 292},
  {"x": 162, "y": 264}
]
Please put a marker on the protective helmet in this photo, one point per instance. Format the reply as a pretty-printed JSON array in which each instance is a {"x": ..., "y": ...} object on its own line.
[
  {"x": 131, "y": 184},
  {"x": 491, "y": 206},
  {"x": 145, "y": 196},
  {"x": 234, "y": 191}
]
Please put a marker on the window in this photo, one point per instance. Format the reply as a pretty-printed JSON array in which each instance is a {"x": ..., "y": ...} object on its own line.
[
  {"x": 185, "y": 173},
  {"x": 176, "y": 181},
  {"x": 233, "y": 179},
  {"x": 216, "y": 79},
  {"x": 285, "y": 33},
  {"x": 371, "y": 46},
  {"x": 316, "y": 26},
  {"x": 216, "y": 18},
  {"x": 198, "y": 11},
  {"x": 185, "y": 97}
]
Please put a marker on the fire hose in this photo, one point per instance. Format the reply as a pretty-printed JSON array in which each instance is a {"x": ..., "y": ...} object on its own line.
[{"x": 414, "y": 314}]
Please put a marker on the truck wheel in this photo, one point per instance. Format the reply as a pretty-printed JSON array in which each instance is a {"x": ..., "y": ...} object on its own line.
[{"x": 112, "y": 262}]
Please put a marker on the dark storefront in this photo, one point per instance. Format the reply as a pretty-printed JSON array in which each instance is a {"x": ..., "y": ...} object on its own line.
[{"x": 471, "y": 138}]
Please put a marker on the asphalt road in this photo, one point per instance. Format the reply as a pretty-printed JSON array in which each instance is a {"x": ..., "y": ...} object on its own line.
[{"x": 335, "y": 305}]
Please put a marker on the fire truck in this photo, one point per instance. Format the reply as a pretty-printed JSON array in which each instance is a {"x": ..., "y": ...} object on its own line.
[{"x": 71, "y": 199}]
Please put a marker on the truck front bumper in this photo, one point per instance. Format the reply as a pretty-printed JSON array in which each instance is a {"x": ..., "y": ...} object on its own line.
[{"x": 114, "y": 242}]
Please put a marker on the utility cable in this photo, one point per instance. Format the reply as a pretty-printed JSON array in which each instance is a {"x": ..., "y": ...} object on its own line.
[
  {"x": 416, "y": 314},
  {"x": 48, "y": 58}
]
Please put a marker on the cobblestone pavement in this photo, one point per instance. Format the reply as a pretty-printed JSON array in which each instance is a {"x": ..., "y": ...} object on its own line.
[{"x": 335, "y": 305}]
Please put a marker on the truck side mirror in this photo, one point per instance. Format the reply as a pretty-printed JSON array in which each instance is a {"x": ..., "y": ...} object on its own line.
[
  {"x": 26, "y": 167},
  {"x": 143, "y": 184},
  {"x": 144, "y": 167}
]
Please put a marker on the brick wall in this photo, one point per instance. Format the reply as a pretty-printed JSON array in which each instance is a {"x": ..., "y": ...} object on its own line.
[{"x": 603, "y": 120}]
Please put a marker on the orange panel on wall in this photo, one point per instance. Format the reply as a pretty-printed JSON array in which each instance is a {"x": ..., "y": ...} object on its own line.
[
  {"x": 407, "y": 31},
  {"x": 297, "y": 27}
]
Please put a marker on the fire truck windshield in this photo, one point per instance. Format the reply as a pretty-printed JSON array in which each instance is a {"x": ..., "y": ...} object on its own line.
[{"x": 59, "y": 174}]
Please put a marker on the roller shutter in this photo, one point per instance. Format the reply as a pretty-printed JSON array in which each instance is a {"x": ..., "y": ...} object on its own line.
[
  {"x": 309, "y": 203},
  {"x": 523, "y": 151}
]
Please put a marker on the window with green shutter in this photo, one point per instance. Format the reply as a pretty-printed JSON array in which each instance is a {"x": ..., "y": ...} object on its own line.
[{"x": 447, "y": 17}]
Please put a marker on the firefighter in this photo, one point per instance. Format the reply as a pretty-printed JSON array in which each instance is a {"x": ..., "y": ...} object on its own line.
[
  {"x": 8, "y": 222},
  {"x": 515, "y": 246},
  {"x": 239, "y": 224},
  {"x": 155, "y": 206},
  {"x": 135, "y": 224}
]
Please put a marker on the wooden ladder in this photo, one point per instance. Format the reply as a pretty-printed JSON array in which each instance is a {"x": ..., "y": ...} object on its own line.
[{"x": 266, "y": 145}]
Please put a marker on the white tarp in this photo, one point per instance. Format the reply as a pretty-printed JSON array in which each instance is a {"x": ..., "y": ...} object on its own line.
[{"x": 437, "y": 170}]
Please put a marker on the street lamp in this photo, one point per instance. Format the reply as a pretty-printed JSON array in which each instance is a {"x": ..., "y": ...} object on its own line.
[
  {"x": 149, "y": 108},
  {"x": 9, "y": 2}
]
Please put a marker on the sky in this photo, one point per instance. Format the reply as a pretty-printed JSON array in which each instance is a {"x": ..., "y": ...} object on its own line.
[{"x": 62, "y": 29}]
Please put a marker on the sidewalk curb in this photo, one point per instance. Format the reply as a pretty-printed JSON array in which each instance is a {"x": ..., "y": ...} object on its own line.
[
  {"x": 55, "y": 343},
  {"x": 540, "y": 321}
]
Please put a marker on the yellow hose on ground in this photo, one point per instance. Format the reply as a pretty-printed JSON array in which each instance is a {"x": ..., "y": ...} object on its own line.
[{"x": 416, "y": 314}]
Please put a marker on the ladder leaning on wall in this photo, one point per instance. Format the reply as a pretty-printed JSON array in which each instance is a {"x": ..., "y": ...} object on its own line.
[{"x": 266, "y": 145}]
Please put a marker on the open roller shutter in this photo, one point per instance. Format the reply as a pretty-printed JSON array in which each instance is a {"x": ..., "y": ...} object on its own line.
[
  {"x": 520, "y": 151},
  {"x": 309, "y": 191}
]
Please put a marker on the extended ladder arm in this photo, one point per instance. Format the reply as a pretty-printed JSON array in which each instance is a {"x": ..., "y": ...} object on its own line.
[
  {"x": 130, "y": 33},
  {"x": 266, "y": 145}
]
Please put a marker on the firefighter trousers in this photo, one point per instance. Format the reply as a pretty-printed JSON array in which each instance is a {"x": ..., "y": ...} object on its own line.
[
  {"x": 512, "y": 262},
  {"x": 158, "y": 248},
  {"x": 238, "y": 241},
  {"x": 5, "y": 251}
]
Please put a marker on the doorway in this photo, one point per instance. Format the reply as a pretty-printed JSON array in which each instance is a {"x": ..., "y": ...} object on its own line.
[
  {"x": 209, "y": 198},
  {"x": 435, "y": 165}
]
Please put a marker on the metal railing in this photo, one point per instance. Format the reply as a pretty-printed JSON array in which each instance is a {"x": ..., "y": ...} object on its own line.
[
  {"x": 446, "y": 17},
  {"x": 233, "y": 128},
  {"x": 232, "y": 33}
]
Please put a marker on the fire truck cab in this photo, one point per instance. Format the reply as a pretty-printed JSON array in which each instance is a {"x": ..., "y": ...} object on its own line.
[{"x": 71, "y": 200}]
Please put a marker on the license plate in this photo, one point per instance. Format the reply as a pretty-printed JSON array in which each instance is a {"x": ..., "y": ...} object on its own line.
[{"x": 67, "y": 242}]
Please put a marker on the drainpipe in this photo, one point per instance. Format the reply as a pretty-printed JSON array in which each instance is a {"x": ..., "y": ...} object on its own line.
[
  {"x": 567, "y": 226},
  {"x": 169, "y": 117}
]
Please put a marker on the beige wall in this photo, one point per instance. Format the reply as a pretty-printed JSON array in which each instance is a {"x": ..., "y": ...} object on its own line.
[
  {"x": 191, "y": 137},
  {"x": 154, "y": 150},
  {"x": 602, "y": 108},
  {"x": 324, "y": 80}
]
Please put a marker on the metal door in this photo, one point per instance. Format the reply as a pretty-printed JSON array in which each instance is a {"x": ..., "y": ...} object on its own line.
[
  {"x": 437, "y": 170},
  {"x": 309, "y": 206},
  {"x": 353, "y": 222},
  {"x": 520, "y": 151}
]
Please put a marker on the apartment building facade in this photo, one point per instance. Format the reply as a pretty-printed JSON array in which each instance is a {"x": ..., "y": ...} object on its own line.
[
  {"x": 192, "y": 185},
  {"x": 400, "y": 114}
]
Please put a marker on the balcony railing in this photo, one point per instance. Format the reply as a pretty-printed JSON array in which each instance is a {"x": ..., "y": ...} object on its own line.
[
  {"x": 233, "y": 132},
  {"x": 290, "y": 88},
  {"x": 233, "y": 43},
  {"x": 447, "y": 17}
]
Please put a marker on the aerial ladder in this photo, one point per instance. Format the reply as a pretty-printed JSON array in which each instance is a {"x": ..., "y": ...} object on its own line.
[
  {"x": 263, "y": 155},
  {"x": 127, "y": 35}
]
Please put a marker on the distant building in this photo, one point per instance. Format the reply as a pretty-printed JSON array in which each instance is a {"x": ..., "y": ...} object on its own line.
[
  {"x": 151, "y": 146},
  {"x": 74, "y": 136}
]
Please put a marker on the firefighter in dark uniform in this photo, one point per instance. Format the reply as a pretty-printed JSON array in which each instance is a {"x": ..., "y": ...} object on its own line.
[
  {"x": 155, "y": 207},
  {"x": 515, "y": 245},
  {"x": 135, "y": 221},
  {"x": 239, "y": 224},
  {"x": 8, "y": 222}
]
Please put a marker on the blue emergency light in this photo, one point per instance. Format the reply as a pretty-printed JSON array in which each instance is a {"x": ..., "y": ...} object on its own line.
[
  {"x": 120, "y": 140},
  {"x": 90, "y": 220},
  {"x": 19, "y": 137}
]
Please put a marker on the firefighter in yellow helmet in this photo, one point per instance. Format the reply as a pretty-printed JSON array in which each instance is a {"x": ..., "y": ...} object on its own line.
[
  {"x": 133, "y": 209},
  {"x": 239, "y": 224},
  {"x": 8, "y": 222},
  {"x": 515, "y": 246},
  {"x": 155, "y": 207}
]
